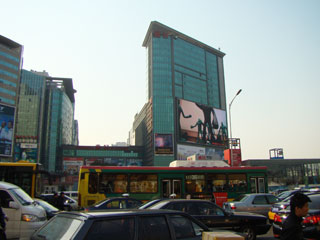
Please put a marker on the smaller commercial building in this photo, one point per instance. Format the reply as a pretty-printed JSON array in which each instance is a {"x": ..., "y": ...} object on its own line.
[{"x": 289, "y": 172}]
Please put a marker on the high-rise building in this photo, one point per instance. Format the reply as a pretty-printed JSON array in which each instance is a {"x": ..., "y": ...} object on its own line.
[
  {"x": 10, "y": 66},
  {"x": 29, "y": 118},
  {"x": 58, "y": 125},
  {"x": 186, "y": 109}
]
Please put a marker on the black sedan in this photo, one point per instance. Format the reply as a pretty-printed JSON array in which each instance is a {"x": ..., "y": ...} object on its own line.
[
  {"x": 215, "y": 217},
  {"x": 122, "y": 225},
  {"x": 310, "y": 223},
  {"x": 116, "y": 203}
]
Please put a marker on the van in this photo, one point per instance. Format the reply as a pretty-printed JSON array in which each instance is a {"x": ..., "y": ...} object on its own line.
[{"x": 25, "y": 216}]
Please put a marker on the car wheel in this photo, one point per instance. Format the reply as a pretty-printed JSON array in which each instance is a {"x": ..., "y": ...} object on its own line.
[{"x": 249, "y": 232}]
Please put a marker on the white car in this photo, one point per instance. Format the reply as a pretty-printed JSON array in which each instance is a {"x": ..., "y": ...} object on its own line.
[{"x": 259, "y": 203}]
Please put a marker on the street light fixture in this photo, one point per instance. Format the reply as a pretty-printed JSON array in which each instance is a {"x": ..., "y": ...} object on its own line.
[{"x": 231, "y": 157}]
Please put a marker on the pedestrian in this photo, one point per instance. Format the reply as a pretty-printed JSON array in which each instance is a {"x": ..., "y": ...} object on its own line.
[
  {"x": 299, "y": 207},
  {"x": 3, "y": 219},
  {"x": 60, "y": 201}
]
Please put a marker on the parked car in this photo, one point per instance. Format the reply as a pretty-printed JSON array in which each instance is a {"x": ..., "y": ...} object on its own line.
[
  {"x": 215, "y": 217},
  {"x": 69, "y": 203},
  {"x": 310, "y": 223},
  {"x": 122, "y": 225},
  {"x": 259, "y": 203},
  {"x": 51, "y": 211},
  {"x": 116, "y": 203}
]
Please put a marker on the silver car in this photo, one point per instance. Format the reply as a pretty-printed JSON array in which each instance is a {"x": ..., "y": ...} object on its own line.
[{"x": 259, "y": 203}]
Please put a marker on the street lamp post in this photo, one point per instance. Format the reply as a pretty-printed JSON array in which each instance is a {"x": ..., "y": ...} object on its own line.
[{"x": 231, "y": 157}]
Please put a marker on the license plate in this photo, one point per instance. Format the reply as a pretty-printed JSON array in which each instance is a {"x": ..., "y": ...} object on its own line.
[{"x": 275, "y": 209}]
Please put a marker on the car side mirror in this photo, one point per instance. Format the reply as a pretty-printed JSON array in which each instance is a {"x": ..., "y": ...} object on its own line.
[{"x": 13, "y": 205}]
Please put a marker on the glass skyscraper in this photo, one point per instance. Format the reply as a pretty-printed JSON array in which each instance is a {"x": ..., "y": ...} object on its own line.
[
  {"x": 58, "y": 127},
  {"x": 186, "y": 109}
]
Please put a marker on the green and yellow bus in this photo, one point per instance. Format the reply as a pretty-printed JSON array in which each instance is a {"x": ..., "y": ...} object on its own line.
[
  {"x": 23, "y": 174},
  {"x": 146, "y": 183}
]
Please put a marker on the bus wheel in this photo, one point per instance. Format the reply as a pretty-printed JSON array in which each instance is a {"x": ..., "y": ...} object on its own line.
[{"x": 249, "y": 232}]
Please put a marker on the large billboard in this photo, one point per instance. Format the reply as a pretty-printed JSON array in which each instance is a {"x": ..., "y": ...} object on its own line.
[
  {"x": 163, "y": 144},
  {"x": 6, "y": 129},
  {"x": 201, "y": 124}
]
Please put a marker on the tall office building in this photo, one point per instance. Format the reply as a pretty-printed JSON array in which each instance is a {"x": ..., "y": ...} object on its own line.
[
  {"x": 58, "y": 125},
  {"x": 29, "y": 119},
  {"x": 186, "y": 110},
  {"x": 10, "y": 66}
]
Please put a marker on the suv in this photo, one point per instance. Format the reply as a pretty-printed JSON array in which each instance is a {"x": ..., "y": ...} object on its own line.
[
  {"x": 310, "y": 223},
  {"x": 215, "y": 217},
  {"x": 122, "y": 225}
]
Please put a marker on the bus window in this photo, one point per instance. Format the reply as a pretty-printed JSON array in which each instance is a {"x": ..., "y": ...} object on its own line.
[
  {"x": 93, "y": 183},
  {"x": 217, "y": 182},
  {"x": 113, "y": 183},
  {"x": 237, "y": 182},
  {"x": 194, "y": 183},
  {"x": 143, "y": 183}
]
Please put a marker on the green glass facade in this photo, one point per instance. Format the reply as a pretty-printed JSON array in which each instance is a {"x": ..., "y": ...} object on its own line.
[
  {"x": 58, "y": 122},
  {"x": 29, "y": 116},
  {"x": 31, "y": 98},
  {"x": 179, "y": 67}
]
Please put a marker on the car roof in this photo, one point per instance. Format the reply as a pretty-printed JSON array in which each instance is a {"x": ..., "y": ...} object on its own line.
[
  {"x": 121, "y": 212},
  {"x": 7, "y": 185}
]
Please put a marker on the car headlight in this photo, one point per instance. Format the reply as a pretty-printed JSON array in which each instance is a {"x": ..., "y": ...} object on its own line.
[{"x": 29, "y": 218}]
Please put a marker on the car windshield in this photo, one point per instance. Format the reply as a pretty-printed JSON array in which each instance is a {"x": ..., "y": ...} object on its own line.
[
  {"x": 22, "y": 196},
  {"x": 46, "y": 206},
  {"x": 150, "y": 203},
  {"x": 284, "y": 194},
  {"x": 241, "y": 198},
  {"x": 59, "y": 228}
]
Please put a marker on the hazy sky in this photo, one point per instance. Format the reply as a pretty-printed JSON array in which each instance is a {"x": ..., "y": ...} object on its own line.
[{"x": 272, "y": 53}]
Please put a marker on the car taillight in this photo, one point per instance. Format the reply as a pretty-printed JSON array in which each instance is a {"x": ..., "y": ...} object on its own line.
[
  {"x": 233, "y": 207},
  {"x": 312, "y": 219},
  {"x": 277, "y": 218}
]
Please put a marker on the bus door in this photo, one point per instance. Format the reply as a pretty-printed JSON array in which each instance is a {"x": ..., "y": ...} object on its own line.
[
  {"x": 257, "y": 185},
  {"x": 171, "y": 186}
]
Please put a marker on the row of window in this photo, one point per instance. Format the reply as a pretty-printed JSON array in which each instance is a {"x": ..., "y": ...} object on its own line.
[
  {"x": 148, "y": 183},
  {"x": 9, "y": 65},
  {"x": 4, "y": 72},
  {"x": 12, "y": 84},
  {"x": 6, "y": 55}
]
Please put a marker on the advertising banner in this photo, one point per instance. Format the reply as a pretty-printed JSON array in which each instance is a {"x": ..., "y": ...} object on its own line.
[
  {"x": 71, "y": 166},
  {"x": 201, "y": 124},
  {"x": 163, "y": 144},
  {"x": 112, "y": 161},
  {"x": 28, "y": 152},
  {"x": 6, "y": 129},
  {"x": 185, "y": 151}
]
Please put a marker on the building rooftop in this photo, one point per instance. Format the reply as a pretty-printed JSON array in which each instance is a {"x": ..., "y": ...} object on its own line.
[{"x": 156, "y": 26}]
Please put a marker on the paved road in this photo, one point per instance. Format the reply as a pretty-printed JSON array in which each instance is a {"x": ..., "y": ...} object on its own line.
[{"x": 268, "y": 236}]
